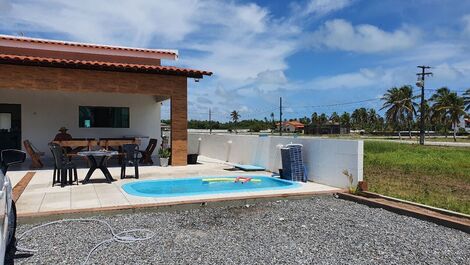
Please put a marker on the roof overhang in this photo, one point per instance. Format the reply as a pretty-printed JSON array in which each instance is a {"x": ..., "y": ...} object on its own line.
[
  {"x": 100, "y": 65},
  {"x": 35, "y": 44}
]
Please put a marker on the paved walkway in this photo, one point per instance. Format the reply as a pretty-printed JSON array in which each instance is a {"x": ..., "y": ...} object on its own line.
[{"x": 40, "y": 197}]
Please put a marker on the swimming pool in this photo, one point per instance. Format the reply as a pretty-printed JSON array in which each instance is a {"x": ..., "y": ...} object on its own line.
[{"x": 204, "y": 185}]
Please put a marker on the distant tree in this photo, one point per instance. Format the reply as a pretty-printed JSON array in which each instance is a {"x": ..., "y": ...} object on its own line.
[
  {"x": 322, "y": 119},
  {"x": 410, "y": 106},
  {"x": 440, "y": 101},
  {"x": 454, "y": 107},
  {"x": 400, "y": 107},
  {"x": 334, "y": 117},
  {"x": 315, "y": 118},
  {"x": 372, "y": 119},
  {"x": 234, "y": 115},
  {"x": 427, "y": 116},
  {"x": 345, "y": 119},
  {"x": 359, "y": 118},
  {"x": 273, "y": 122},
  {"x": 305, "y": 120},
  {"x": 466, "y": 97}
]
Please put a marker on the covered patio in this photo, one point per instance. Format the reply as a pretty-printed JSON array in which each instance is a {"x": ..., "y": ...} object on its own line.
[{"x": 45, "y": 85}]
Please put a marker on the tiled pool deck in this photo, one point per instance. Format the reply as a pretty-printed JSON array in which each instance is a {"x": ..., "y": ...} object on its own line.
[{"x": 40, "y": 198}]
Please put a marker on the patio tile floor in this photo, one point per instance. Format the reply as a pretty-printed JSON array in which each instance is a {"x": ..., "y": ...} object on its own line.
[{"x": 39, "y": 196}]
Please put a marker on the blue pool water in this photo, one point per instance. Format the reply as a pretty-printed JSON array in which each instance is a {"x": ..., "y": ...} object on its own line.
[{"x": 204, "y": 185}]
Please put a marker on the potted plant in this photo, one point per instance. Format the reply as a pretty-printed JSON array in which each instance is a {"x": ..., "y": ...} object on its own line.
[{"x": 164, "y": 155}]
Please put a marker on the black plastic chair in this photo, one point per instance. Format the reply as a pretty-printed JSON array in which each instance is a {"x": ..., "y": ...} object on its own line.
[
  {"x": 62, "y": 165},
  {"x": 131, "y": 158},
  {"x": 9, "y": 157}
]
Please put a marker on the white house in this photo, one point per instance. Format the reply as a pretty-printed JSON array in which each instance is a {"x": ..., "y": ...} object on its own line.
[
  {"x": 464, "y": 123},
  {"x": 95, "y": 91}
]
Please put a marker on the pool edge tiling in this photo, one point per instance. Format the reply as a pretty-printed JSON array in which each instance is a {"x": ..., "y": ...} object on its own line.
[{"x": 194, "y": 186}]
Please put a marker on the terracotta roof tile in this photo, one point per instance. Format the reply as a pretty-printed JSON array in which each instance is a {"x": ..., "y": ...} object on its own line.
[
  {"x": 31, "y": 60},
  {"x": 88, "y": 45}
]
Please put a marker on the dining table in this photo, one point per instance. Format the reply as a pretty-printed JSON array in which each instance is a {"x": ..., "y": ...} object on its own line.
[{"x": 98, "y": 160}]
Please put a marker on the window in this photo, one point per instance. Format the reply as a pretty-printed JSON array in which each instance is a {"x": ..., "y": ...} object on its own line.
[
  {"x": 103, "y": 117},
  {"x": 5, "y": 122}
]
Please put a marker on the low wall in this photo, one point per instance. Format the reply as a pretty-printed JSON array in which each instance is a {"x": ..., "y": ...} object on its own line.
[{"x": 325, "y": 159}]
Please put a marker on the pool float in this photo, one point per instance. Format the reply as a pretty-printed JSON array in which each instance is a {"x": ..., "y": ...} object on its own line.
[
  {"x": 237, "y": 179},
  {"x": 243, "y": 179}
]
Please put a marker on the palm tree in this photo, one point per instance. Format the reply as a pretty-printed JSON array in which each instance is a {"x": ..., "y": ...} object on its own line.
[
  {"x": 234, "y": 115},
  {"x": 372, "y": 119},
  {"x": 466, "y": 98},
  {"x": 345, "y": 119},
  {"x": 454, "y": 106},
  {"x": 409, "y": 104},
  {"x": 322, "y": 119},
  {"x": 359, "y": 118},
  {"x": 400, "y": 107},
  {"x": 334, "y": 117},
  {"x": 273, "y": 123},
  {"x": 315, "y": 118},
  {"x": 456, "y": 110},
  {"x": 440, "y": 101}
]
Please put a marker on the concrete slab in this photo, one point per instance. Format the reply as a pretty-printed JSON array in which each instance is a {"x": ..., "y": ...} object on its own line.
[{"x": 40, "y": 197}]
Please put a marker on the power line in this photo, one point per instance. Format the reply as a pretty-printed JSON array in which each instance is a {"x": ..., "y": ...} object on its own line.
[{"x": 337, "y": 104}]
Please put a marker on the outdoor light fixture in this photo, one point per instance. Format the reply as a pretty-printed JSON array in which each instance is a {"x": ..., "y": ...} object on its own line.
[
  {"x": 196, "y": 80},
  {"x": 420, "y": 82}
]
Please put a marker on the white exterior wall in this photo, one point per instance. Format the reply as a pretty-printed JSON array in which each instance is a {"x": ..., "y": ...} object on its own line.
[
  {"x": 463, "y": 125},
  {"x": 325, "y": 159},
  {"x": 44, "y": 112}
]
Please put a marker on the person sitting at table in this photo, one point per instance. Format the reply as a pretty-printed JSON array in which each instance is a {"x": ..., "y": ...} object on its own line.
[{"x": 63, "y": 135}]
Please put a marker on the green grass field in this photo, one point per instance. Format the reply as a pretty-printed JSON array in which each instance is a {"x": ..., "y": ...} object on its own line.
[{"x": 436, "y": 176}]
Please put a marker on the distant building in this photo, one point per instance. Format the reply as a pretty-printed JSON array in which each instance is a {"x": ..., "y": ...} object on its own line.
[
  {"x": 292, "y": 126},
  {"x": 327, "y": 128}
]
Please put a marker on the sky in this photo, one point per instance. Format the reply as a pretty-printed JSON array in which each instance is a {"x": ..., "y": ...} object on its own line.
[{"x": 318, "y": 55}]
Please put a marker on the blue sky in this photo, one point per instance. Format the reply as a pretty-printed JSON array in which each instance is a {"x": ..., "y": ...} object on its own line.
[{"x": 313, "y": 53}]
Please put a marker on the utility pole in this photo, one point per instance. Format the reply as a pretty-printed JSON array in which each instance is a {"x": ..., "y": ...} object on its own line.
[
  {"x": 210, "y": 121},
  {"x": 420, "y": 83},
  {"x": 280, "y": 116}
]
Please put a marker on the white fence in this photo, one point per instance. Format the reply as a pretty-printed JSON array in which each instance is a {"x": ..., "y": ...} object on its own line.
[{"x": 325, "y": 159}]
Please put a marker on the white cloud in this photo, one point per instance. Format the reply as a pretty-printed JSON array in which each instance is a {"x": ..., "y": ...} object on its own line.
[
  {"x": 271, "y": 77},
  {"x": 466, "y": 25},
  {"x": 430, "y": 53},
  {"x": 5, "y": 6},
  {"x": 340, "y": 34},
  {"x": 322, "y": 7},
  {"x": 234, "y": 40},
  {"x": 362, "y": 79},
  {"x": 318, "y": 8},
  {"x": 204, "y": 100},
  {"x": 118, "y": 22}
]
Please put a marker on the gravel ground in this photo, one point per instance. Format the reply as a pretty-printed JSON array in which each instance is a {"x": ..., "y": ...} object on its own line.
[{"x": 320, "y": 230}]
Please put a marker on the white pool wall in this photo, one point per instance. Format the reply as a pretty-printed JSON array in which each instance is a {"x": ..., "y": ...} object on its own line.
[{"x": 325, "y": 159}]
